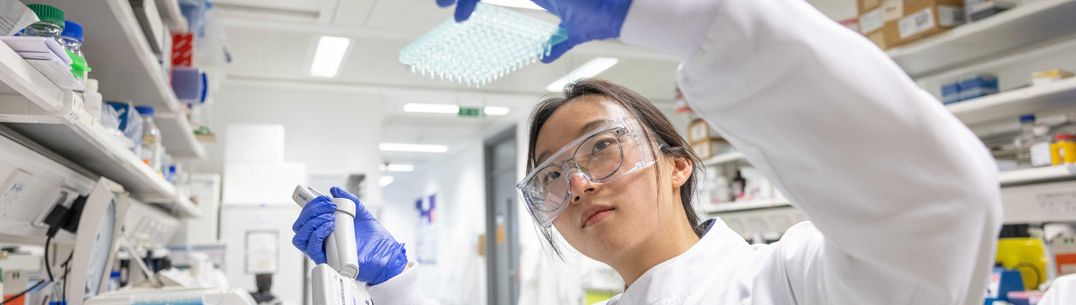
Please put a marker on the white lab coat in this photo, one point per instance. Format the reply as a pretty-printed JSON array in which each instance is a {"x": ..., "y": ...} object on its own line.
[
  {"x": 904, "y": 199},
  {"x": 1061, "y": 292}
]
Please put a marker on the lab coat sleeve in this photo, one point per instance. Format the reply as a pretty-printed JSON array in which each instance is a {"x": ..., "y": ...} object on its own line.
[
  {"x": 906, "y": 198},
  {"x": 403, "y": 289},
  {"x": 1062, "y": 291}
]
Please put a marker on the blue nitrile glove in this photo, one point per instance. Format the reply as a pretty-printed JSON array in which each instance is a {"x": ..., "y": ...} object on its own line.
[
  {"x": 380, "y": 256},
  {"x": 585, "y": 20}
]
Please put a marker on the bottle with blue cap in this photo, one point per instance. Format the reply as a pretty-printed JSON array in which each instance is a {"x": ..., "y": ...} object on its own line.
[
  {"x": 150, "y": 151},
  {"x": 1033, "y": 142},
  {"x": 72, "y": 39}
]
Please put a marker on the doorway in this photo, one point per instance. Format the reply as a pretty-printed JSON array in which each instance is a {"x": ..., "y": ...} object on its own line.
[{"x": 502, "y": 223}]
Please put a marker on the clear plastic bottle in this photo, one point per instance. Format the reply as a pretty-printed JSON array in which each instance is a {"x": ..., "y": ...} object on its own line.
[
  {"x": 150, "y": 151},
  {"x": 1027, "y": 138},
  {"x": 51, "y": 24}
]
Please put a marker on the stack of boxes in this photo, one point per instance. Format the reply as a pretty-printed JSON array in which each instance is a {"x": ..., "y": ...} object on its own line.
[
  {"x": 705, "y": 141},
  {"x": 892, "y": 23}
]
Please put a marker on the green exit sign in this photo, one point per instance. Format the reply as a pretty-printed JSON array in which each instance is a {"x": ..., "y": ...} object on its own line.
[{"x": 470, "y": 112}]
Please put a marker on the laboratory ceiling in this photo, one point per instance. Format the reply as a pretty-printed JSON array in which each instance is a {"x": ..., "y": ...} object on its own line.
[{"x": 275, "y": 40}]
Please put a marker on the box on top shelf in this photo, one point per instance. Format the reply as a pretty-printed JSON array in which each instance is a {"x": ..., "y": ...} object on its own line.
[
  {"x": 710, "y": 147},
  {"x": 923, "y": 18},
  {"x": 183, "y": 49},
  {"x": 878, "y": 21},
  {"x": 699, "y": 130}
]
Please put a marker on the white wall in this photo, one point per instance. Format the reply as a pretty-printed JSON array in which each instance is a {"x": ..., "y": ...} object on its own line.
[{"x": 332, "y": 131}]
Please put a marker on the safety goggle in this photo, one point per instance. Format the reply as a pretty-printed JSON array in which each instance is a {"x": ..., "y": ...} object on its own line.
[{"x": 599, "y": 156}]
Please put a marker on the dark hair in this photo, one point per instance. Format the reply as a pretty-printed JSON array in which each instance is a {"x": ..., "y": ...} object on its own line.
[{"x": 653, "y": 121}]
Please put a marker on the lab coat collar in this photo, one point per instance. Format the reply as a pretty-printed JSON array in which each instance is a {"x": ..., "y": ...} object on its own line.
[{"x": 684, "y": 275}]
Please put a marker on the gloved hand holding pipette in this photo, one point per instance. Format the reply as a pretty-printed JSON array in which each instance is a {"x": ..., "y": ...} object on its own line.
[
  {"x": 584, "y": 20},
  {"x": 381, "y": 257}
]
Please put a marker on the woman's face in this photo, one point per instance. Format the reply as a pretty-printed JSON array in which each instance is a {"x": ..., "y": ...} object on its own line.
[{"x": 602, "y": 220}]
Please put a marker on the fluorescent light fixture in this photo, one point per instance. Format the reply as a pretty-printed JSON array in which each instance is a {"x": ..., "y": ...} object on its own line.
[
  {"x": 393, "y": 167},
  {"x": 496, "y": 110},
  {"x": 432, "y": 108},
  {"x": 386, "y": 180},
  {"x": 527, "y": 4},
  {"x": 590, "y": 69},
  {"x": 425, "y": 148},
  {"x": 328, "y": 56}
]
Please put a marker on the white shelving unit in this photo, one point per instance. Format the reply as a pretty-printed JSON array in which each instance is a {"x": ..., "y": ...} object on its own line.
[
  {"x": 1025, "y": 25},
  {"x": 723, "y": 158},
  {"x": 1013, "y": 103},
  {"x": 37, "y": 109},
  {"x": 1039, "y": 174},
  {"x": 128, "y": 70},
  {"x": 731, "y": 207}
]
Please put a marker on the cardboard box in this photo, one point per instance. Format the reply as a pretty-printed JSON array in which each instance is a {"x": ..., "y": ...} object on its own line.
[
  {"x": 923, "y": 18},
  {"x": 878, "y": 21},
  {"x": 708, "y": 148},
  {"x": 699, "y": 131}
]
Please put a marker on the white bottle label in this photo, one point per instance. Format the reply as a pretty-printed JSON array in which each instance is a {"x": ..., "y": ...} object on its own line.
[
  {"x": 916, "y": 23},
  {"x": 1040, "y": 154},
  {"x": 872, "y": 21}
]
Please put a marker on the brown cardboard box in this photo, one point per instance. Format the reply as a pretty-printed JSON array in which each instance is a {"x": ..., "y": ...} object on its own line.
[
  {"x": 698, "y": 130},
  {"x": 878, "y": 21},
  {"x": 923, "y": 18},
  {"x": 708, "y": 148}
]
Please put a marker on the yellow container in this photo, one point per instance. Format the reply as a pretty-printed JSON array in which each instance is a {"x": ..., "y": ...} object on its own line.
[
  {"x": 1026, "y": 254},
  {"x": 1063, "y": 150}
]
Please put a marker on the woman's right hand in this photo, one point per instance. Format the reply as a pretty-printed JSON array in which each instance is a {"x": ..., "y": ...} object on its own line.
[
  {"x": 584, "y": 20},
  {"x": 380, "y": 256}
]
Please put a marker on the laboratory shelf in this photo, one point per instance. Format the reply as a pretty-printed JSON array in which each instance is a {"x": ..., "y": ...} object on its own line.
[
  {"x": 1038, "y": 175},
  {"x": 730, "y": 207},
  {"x": 183, "y": 207},
  {"x": 1027, "y": 24},
  {"x": 1009, "y": 104},
  {"x": 126, "y": 67},
  {"x": 36, "y": 108},
  {"x": 176, "y": 129},
  {"x": 68, "y": 134},
  {"x": 724, "y": 158}
]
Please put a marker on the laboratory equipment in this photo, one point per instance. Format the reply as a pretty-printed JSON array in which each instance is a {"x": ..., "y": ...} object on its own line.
[
  {"x": 151, "y": 139},
  {"x": 51, "y": 24},
  {"x": 327, "y": 285},
  {"x": 1003, "y": 281},
  {"x": 173, "y": 296},
  {"x": 342, "y": 240},
  {"x": 492, "y": 43}
]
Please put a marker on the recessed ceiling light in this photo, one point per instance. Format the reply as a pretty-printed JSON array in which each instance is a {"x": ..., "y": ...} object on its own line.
[
  {"x": 590, "y": 69},
  {"x": 431, "y": 108},
  {"x": 329, "y": 54},
  {"x": 404, "y": 147},
  {"x": 496, "y": 110}
]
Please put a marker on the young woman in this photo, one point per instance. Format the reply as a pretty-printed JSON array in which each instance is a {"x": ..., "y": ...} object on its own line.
[{"x": 903, "y": 199}]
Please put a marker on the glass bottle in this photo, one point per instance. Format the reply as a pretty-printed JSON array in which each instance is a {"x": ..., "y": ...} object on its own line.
[{"x": 51, "y": 22}]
